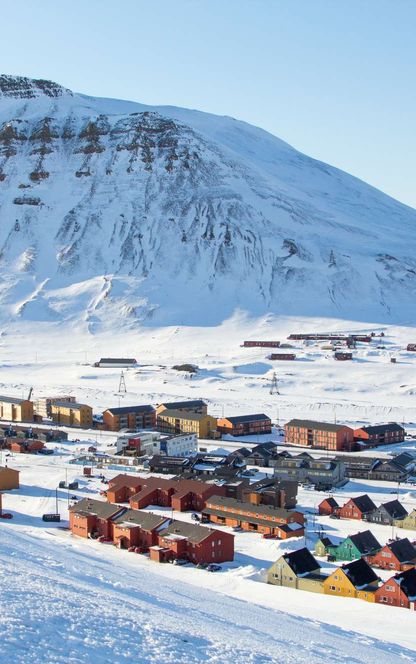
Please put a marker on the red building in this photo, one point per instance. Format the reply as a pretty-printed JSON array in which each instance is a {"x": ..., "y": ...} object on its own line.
[
  {"x": 26, "y": 446},
  {"x": 322, "y": 435},
  {"x": 180, "y": 495},
  {"x": 328, "y": 506},
  {"x": 195, "y": 543},
  {"x": 400, "y": 590},
  {"x": 283, "y": 356},
  {"x": 381, "y": 434},
  {"x": 261, "y": 344},
  {"x": 245, "y": 425},
  {"x": 93, "y": 518},
  {"x": 357, "y": 508},
  {"x": 398, "y": 555},
  {"x": 138, "y": 529}
]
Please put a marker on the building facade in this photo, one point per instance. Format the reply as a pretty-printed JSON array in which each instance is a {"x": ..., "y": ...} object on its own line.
[
  {"x": 13, "y": 409},
  {"x": 72, "y": 414},
  {"x": 245, "y": 425},
  {"x": 186, "y": 422},
  {"x": 130, "y": 417},
  {"x": 322, "y": 435}
]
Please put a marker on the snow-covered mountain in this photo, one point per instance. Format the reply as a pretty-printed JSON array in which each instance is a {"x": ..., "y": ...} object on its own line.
[{"x": 115, "y": 211}]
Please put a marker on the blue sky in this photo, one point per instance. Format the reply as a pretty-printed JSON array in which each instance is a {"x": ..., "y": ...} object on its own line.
[{"x": 334, "y": 78}]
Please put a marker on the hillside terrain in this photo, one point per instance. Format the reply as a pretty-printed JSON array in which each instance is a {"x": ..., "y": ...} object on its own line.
[{"x": 114, "y": 213}]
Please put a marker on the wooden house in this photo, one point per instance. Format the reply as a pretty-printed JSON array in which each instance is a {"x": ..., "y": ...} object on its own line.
[
  {"x": 137, "y": 528},
  {"x": 355, "y": 579},
  {"x": 72, "y": 414},
  {"x": 264, "y": 519},
  {"x": 387, "y": 513},
  {"x": 245, "y": 425},
  {"x": 323, "y": 435},
  {"x": 381, "y": 434},
  {"x": 194, "y": 543},
  {"x": 9, "y": 478},
  {"x": 408, "y": 523},
  {"x": 357, "y": 508},
  {"x": 398, "y": 555},
  {"x": 14, "y": 409},
  {"x": 323, "y": 545},
  {"x": 411, "y": 348},
  {"x": 298, "y": 570},
  {"x": 93, "y": 518},
  {"x": 355, "y": 546},
  {"x": 130, "y": 417},
  {"x": 400, "y": 590},
  {"x": 328, "y": 506}
]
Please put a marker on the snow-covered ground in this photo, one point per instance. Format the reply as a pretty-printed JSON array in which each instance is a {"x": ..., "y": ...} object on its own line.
[{"x": 80, "y": 600}]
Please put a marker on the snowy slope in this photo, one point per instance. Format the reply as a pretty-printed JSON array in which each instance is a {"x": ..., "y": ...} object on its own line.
[{"x": 112, "y": 210}]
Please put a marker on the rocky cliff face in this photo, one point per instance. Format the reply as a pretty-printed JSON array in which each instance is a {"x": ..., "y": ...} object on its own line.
[{"x": 114, "y": 211}]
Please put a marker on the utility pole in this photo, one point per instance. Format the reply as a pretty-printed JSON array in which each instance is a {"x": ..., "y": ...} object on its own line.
[
  {"x": 122, "y": 384},
  {"x": 274, "y": 386}
]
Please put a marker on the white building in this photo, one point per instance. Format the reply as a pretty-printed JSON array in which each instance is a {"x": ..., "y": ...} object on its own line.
[{"x": 154, "y": 442}]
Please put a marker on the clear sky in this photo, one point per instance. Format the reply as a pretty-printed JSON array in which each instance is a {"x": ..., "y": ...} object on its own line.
[{"x": 334, "y": 78}]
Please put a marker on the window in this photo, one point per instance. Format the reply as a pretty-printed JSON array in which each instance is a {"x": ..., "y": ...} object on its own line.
[
  {"x": 390, "y": 589},
  {"x": 332, "y": 588}
]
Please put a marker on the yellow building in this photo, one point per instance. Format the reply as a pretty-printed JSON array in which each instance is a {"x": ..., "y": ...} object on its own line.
[
  {"x": 355, "y": 579},
  {"x": 409, "y": 522},
  {"x": 16, "y": 410},
  {"x": 298, "y": 570},
  {"x": 72, "y": 414},
  {"x": 176, "y": 421}
]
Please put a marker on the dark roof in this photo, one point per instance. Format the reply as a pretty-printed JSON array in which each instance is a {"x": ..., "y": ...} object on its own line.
[
  {"x": 69, "y": 404},
  {"x": 331, "y": 501},
  {"x": 326, "y": 541},
  {"x": 365, "y": 542},
  {"x": 234, "y": 504},
  {"x": 130, "y": 409},
  {"x": 404, "y": 458},
  {"x": 237, "y": 419},
  {"x": 364, "y": 503},
  {"x": 403, "y": 549},
  {"x": 359, "y": 573},
  {"x": 194, "y": 533},
  {"x": 311, "y": 424},
  {"x": 301, "y": 561},
  {"x": 117, "y": 360},
  {"x": 181, "y": 414},
  {"x": 161, "y": 459},
  {"x": 96, "y": 507},
  {"x": 407, "y": 581},
  {"x": 381, "y": 428},
  {"x": 248, "y": 519},
  {"x": 146, "y": 520},
  {"x": 242, "y": 452},
  {"x": 395, "y": 509},
  {"x": 11, "y": 400},
  {"x": 175, "y": 405}
]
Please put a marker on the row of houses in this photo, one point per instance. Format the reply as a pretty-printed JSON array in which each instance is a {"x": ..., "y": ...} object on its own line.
[
  {"x": 398, "y": 554},
  {"x": 363, "y": 508},
  {"x": 163, "y": 538},
  {"x": 300, "y": 570},
  {"x": 339, "y": 437}
]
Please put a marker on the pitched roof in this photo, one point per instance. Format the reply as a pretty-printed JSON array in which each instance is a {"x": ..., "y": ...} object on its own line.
[
  {"x": 365, "y": 541},
  {"x": 146, "y": 520},
  {"x": 359, "y": 573},
  {"x": 403, "y": 549},
  {"x": 301, "y": 561},
  {"x": 175, "y": 405},
  {"x": 326, "y": 541},
  {"x": 381, "y": 428},
  {"x": 69, "y": 404},
  {"x": 331, "y": 501},
  {"x": 407, "y": 582},
  {"x": 194, "y": 533},
  {"x": 238, "y": 419},
  {"x": 364, "y": 503},
  {"x": 130, "y": 409},
  {"x": 11, "y": 400},
  {"x": 395, "y": 509},
  {"x": 311, "y": 424},
  {"x": 95, "y": 507},
  {"x": 181, "y": 415},
  {"x": 265, "y": 510}
]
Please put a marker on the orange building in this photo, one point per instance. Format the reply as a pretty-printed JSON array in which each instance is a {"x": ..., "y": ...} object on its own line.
[
  {"x": 9, "y": 478},
  {"x": 264, "y": 519},
  {"x": 322, "y": 435}
]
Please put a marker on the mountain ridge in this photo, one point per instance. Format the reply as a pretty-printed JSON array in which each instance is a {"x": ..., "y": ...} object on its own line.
[{"x": 117, "y": 211}]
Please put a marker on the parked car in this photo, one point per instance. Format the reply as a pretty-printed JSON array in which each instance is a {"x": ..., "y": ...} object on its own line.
[
  {"x": 212, "y": 567},
  {"x": 180, "y": 561},
  {"x": 269, "y": 536},
  {"x": 236, "y": 529},
  {"x": 195, "y": 517},
  {"x": 202, "y": 565}
]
